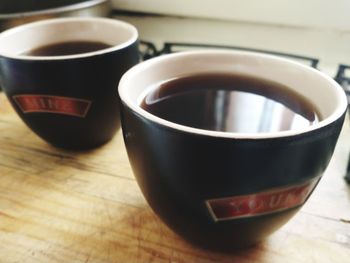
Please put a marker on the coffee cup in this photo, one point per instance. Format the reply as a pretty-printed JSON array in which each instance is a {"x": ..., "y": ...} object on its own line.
[
  {"x": 61, "y": 77},
  {"x": 226, "y": 189}
]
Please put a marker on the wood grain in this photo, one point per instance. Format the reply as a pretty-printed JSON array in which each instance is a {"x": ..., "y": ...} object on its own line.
[{"x": 64, "y": 206}]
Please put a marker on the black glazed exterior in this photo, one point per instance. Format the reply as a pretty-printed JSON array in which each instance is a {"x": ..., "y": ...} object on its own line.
[
  {"x": 92, "y": 79},
  {"x": 179, "y": 171}
]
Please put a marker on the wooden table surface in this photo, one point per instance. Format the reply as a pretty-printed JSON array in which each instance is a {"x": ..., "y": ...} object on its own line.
[{"x": 63, "y": 206}]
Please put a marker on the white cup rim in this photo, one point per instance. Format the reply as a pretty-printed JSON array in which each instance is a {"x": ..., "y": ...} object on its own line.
[
  {"x": 67, "y": 20},
  {"x": 130, "y": 76}
]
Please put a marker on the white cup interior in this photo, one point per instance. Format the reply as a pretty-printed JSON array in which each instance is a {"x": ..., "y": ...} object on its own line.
[
  {"x": 16, "y": 41},
  {"x": 322, "y": 91}
]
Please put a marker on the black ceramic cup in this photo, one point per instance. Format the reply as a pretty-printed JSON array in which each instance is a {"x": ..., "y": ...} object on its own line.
[
  {"x": 225, "y": 190},
  {"x": 71, "y": 100}
]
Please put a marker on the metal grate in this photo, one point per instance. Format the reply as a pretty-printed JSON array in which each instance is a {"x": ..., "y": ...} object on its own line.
[
  {"x": 148, "y": 50},
  {"x": 343, "y": 78},
  {"x": 175, "y": 47}
]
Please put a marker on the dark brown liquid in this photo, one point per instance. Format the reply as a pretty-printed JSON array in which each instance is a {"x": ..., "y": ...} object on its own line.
[
  {"x": 231, "y": 103},
  {"x": 67, "y": 48}
]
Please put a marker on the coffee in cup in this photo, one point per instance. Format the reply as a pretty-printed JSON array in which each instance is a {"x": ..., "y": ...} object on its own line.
[{"x": 230, "y": 103}]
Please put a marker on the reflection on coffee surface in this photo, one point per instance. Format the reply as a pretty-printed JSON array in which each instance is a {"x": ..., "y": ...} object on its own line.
[
  {"x": 67, "y": 48},
  {"x": 230, "y": 103}
]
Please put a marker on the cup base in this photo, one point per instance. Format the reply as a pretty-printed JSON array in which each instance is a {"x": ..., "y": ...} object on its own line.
[
  {"x": 227, "y": 235},
  {"x": 80, "y": 146}
]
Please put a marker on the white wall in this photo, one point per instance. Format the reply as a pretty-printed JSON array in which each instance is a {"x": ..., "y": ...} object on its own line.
[{"x": 329, "y": 14}]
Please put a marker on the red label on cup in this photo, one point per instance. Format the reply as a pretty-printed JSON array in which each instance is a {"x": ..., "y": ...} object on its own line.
[
  {"x": 260, "y": 203},
  {"x": 53, "y": 104}
]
